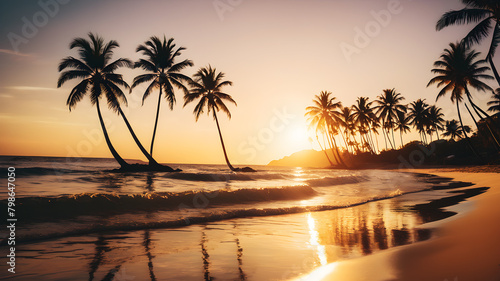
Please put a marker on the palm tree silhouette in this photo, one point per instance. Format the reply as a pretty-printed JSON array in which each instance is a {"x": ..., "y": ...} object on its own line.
[
  {"x": 456, "y": 70},
  {"x": 418, "y": 114},
  {"x": 495, "y": 102},
  {"x": 486, "y": 13},
  {"x": 402, "y": 124},
  {"x": 388, "y": 105},
  {"x": 163, "y": 72},
  {"x": 435, "y": 120},
  {"x": 207, "y": 86},
  {"x": 323, "y": 115},
  {"x": 345, "y": 120},
  {"x": 99, "y": 78},
  {"x": 363, "y": 116},
  {"x": 453, "y": 130}
]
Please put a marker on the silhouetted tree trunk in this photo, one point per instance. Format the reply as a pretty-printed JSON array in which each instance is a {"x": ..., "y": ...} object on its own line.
[
  {"x": 488, "y": 118},
  {"x": 115, "y": 154},
  {"x": 143, "y": 150},
  {"x": 465, "y": 133},
  {"x": 222, "y": 142},
  {"x": 156, "y": 121},
  {"x": 326, "y": 154},
  {"x": 494, "y": 69}
]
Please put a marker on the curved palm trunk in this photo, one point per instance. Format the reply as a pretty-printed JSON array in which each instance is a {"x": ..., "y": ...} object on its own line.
[
  {"x": 345, "y": 142},
  {"x": 334, "y": 142},
  {"x": 494, "y": 69},
  {"x": 143, "y": 150},
  {"x": 330, "y": 143},
  {"x": 115, "y": 154},
  {"x": 156, "y": 121},
  {"x": 326, "y": 154},
  {"x": 488, "y": 118},
  {"x": 465, "y": 134},
  {"x": 338, "y": 153},
  {"x": 222, "y": 142}
]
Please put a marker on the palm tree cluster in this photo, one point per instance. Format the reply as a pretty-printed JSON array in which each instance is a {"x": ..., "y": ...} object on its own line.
[
  {"x": 356, "y": 126},
  {"x": 460, "y": 70},
  {"x": 96, "y": 72}
]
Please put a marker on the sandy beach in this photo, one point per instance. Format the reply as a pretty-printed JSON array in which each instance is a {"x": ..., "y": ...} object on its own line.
[{"x": 465, "y": 246}]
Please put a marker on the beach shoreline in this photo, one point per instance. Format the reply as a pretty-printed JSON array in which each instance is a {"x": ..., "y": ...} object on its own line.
[{"x": 464, "y": 247}]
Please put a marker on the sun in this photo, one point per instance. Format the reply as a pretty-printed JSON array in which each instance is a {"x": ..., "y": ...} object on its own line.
[{"x": 297, "y": 137}]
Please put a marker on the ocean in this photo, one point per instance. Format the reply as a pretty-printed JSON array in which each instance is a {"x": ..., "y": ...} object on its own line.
[{"x": 100, "y": 222}]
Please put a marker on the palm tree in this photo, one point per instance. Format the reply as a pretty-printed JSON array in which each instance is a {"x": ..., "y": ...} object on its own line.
[
  {"x": 163, "y": 72},
  {"x": 322, "y": 116},
  {"x": 418, "y": 114},
  {"x": 435, "y": 120},
  {"x": 387, "y": 108},
  {"x": 98, "y": 77},
  {"x": 402, "y": 125},
  {"x": 456, "y": 70},
  {"x": 345, "y": 119},
  {"x": 363, "y": 116},
  {"x": 486, "y": 13},
  {"x": 495, "y": 103},
  {"x": 207, "y": 87},
  {"x": 454, "y": 131}
]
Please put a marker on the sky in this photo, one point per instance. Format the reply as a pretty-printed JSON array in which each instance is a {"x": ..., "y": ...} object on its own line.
[{"x": 278, "y": 54}]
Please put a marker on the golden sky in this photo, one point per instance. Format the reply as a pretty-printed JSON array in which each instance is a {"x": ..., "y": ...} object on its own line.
[{"x": 279, "y": 54}]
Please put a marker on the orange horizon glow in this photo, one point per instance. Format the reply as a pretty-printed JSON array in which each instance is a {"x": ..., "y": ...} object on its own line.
[{"x": 277, "y": 65}]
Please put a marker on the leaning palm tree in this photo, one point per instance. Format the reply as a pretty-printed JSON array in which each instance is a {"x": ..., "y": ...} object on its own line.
[
  {"x": 207, "y": 87},
  {"x": 163, "y": 72},
  {"x": 98, "y": 77},
  {"x": 387, "y": 108},
  {"x": 495, "y": 102},
  {"x": 486, "y": 13},
  {"x": 456, "y": 70}
]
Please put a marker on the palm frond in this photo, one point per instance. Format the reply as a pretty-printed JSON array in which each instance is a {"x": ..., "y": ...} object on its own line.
[
  {"x": 77, "y": 93},
  {"x": 463, "y": 16},
  {"x": 71, "y": 74}
]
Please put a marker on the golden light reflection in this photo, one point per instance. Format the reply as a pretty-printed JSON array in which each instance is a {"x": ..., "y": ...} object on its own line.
[
  {"x": 314, "y": 240},
  {"x": 319, "y": 273},
  {"x": 298, "y": 173}
]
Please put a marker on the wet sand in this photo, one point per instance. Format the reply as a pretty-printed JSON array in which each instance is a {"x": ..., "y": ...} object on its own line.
[{"x": 465, "y": 247}]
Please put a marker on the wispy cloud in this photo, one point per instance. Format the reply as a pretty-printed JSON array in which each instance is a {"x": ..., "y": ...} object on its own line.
[
  {"x": 5, "y": 96},
  {"x": 13, "y": 53},
  {"x": 30, "y": 88}
]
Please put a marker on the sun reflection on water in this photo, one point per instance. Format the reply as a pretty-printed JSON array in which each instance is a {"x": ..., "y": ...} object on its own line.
[{"x": 314, "y": 240}]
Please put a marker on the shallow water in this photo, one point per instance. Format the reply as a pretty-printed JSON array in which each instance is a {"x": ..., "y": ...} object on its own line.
[
  {"x": 62, "y": 196},
  {"x": 205, "y": 223}
]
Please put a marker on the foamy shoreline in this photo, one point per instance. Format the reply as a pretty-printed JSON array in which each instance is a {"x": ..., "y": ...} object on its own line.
[{"x": 465, "y": 247}]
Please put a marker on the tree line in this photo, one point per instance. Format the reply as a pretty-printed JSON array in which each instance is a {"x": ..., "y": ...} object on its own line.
[{"x": 458, "y": 70}]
